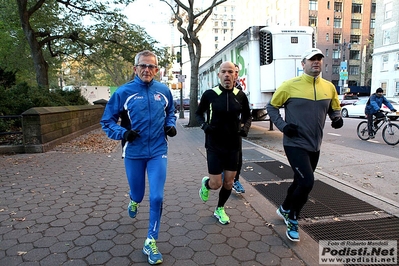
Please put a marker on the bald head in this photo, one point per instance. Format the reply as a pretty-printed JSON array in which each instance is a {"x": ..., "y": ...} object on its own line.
[{"x": 227, "y": 74}]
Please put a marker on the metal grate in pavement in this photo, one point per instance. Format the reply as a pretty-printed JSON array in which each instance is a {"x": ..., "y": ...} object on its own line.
[
  {"x": 278, "y": 168},
  {"x": 324, "y": 200},
  {"x": 370, "y": 229},
  {"x": 252, "y": 155},
  {"x": 252, "y": 172}
]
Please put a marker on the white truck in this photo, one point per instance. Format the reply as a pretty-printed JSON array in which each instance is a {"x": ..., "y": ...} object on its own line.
[{"x": 266, "y": 56}]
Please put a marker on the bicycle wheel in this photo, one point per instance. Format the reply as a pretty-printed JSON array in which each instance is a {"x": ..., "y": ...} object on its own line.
[
  {"x": 362, "y": 131},
  {"x": 390, "y": 134}
]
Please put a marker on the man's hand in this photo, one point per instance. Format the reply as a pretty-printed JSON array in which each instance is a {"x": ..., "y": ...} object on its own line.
[
  {"x": 131, "y": 135},
  {"x": 337, "y": 123},
  {"x": 170, "y": 131},
  {"x": 243, "y": 132},
  {"x": 291, "y": 130},
  {"x": 207, "y": 128}
]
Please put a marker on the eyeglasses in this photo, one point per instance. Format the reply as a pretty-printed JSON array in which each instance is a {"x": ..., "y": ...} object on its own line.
[{"x": 150, "y": 66}]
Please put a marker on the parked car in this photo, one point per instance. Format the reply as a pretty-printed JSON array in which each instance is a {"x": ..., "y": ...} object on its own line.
[
  {"x": 186, "y": 104},
  {"x": 347, "y": 99},
  {"x": 357, "y": 109}
]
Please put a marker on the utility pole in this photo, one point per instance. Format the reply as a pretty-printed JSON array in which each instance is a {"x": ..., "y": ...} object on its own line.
[{"x": 343, "y": 75}]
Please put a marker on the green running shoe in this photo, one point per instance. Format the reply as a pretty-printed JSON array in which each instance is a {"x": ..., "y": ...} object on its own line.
[
  {"x": 132, "y": 208},
  {"x": 204, "y": 192},
  {"x": 221, "y": 215}
]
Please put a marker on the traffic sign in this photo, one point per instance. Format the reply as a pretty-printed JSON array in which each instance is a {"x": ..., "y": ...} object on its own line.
[
  {"x": 343, "y": 75},
  {"x": 181, "y": 76}
]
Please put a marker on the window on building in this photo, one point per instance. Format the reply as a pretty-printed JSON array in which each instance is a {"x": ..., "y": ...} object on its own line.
[
  {"x": 397, "y": 86},
  {"x": 373, "y": 7},
  {"x": 356, "y": 8},
  {"x": 397, "y": 57},
  {"x": 354, "y": 54},
  {"x": 337, "y": 23},
  {"x": 372, "y": 23},
  {"x": 355, "y": 39},
  {"x": 328, "y": 4},
  {"x": 224, "y": 31},
  {"x": 336, "y": 54},
  {"x": 388, "y": 10},
  {"x": 353, "y": 70},
  {"x": 355, "y": 24},
  {"x": 231, "y": 24},
  {"x": 338, "y": 6},
  {"x": 312, "y": 21},
  {"x": 327, "y": 52},
  {"x": 335, "y": 69},
  {"x": 328, "y": 21},
  {"x": 326, "y": 68},
  {"x": 216, "y": 38},
  {"x": 383, "y": 85},
  {"x": 313, "y": 5},
  {"x": 386, "y": 37},
  {"x": 225, "y": 24},
  {"x": 337, "y": 38},
  {"x": 327, "y": 37},
  {"x": 384, "y": 60},
  {"x": 216, "y": 31}
]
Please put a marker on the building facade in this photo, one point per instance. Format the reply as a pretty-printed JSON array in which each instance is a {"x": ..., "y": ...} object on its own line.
[{"x": 385, "y": 73}]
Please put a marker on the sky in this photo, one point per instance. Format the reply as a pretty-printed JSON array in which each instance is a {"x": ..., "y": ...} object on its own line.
[{"x": 153, "y": 15}]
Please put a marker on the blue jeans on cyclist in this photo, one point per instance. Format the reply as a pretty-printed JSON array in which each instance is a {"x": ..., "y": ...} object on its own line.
[{"x": 370, "y": 119}]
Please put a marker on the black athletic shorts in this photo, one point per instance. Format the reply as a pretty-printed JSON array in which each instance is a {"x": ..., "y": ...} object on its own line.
[{"x": 219, "y": 161}]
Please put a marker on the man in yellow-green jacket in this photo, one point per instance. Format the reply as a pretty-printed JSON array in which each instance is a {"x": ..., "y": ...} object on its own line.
[{"x": 307, "y": 100}]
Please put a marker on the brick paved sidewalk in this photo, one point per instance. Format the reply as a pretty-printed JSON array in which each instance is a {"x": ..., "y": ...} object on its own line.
[{"x": 60, "y": 208}]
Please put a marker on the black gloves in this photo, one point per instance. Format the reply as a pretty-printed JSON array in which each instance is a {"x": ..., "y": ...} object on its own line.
[
  {"x": 243, "y": 132},
  {"x": 131, "y": 135},
  {"x": 291, "y": 130},
  {"x": 393, "y": 110},
  {"x": 337, "y": 123},
  {"x": 170, "y": 131},
  {"x": 207, "y": 128}
]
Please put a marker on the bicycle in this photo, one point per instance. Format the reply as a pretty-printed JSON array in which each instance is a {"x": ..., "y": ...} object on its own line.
[{"x": 390, "y": 131}]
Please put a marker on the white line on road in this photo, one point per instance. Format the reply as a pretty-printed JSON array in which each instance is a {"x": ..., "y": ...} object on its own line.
[{"x": 333, "y": 134}]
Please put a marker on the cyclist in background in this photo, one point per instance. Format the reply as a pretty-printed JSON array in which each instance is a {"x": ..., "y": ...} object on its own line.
[{"x": 373, "y": 107}]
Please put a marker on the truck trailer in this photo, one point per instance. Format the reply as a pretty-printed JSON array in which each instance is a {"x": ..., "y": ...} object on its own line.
[{"x": 266, "y": 56}]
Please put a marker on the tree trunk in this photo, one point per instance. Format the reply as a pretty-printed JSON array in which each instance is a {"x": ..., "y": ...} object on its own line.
[{"x": 40, "y": 64}]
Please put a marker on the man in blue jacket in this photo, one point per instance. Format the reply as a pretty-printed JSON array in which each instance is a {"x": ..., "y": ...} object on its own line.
[
  {"x": 148, "y": 111},
  {"x": 373, "y": 107}
]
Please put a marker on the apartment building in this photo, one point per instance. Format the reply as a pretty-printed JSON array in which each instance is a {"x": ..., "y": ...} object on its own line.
[
  {"x": 344, "y": 31},
  {"x": 385, "y": 55}
]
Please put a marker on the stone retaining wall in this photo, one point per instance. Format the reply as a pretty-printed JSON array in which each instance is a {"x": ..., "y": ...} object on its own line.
[{"x": 45, "y": 127}]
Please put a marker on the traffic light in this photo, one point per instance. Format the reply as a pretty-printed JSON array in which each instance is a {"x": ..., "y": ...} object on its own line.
[{"x": 178, "y": 57}]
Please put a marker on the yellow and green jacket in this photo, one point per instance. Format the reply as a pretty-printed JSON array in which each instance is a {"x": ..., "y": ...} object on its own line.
[{"x": 307, "y": 101}]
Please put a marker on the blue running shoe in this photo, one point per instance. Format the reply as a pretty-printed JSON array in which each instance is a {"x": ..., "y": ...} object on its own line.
[
  {"x": 292, "y": 230},
  {"x": 150, "y": 249},
  {"x": 132, "y": 208},
  {"x": 238, "y": 188},
  {"x": 283, "y": 214}
]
